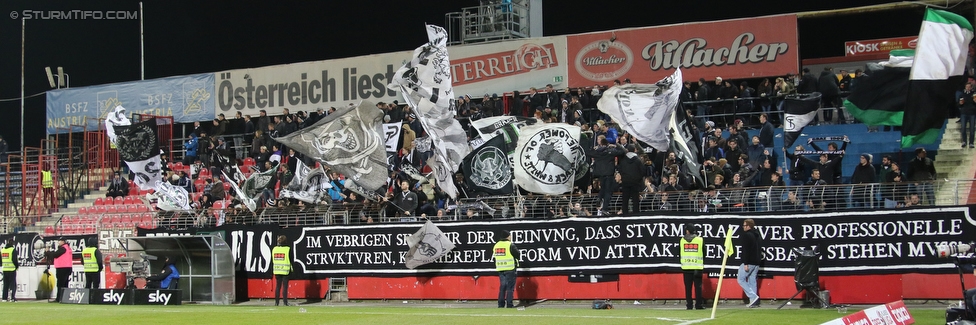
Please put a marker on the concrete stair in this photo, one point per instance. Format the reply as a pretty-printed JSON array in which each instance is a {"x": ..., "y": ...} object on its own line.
[
  {"x": 72, "y": 209},
  {"x": 955, "y": 166}
]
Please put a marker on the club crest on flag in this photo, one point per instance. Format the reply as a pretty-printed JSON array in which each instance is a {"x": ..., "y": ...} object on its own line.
[
  {"x": 137, "y": 141},
  {"x": 490, "y": 168}
]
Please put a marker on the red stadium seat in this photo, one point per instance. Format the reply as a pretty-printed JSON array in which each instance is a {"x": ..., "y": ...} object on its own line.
[
  {"x": 82, "y": 210},
  {"x": 105, "y": 222},
  {"x": 133, "y": 191},
  {"x": 126, "y": 219},
  {"x": 119, "y": 200},
  {"x": 112, "y": 209},
  {"x": 101, "y": 209},
  {"x": 128, "y": 200},
  {"x": 49, "y": 231},
  {"x": 100, "y": 201},
  {"x": 89, "y": 230}
]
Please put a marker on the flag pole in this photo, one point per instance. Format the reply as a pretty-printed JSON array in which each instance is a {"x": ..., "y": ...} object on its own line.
[{"x": 721, "y": 272}]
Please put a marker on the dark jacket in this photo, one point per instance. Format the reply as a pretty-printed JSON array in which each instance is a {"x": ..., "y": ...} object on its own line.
[
  {"x": 797, "y": 168},
  {"x": 808, "y": 84},
  {"x": 828, "y": 84},
  {"x": 631, "y": 169},
  {"x": 826, "y": 170},
  {"x": 766, "y": 135},
  {"x": 838, "y": 169},
  {"x": 603, "y": 156},
  {"x": 750, "y": 243},
  {"x": 921, "y": 170},
  {"x": 863, "y": 174}
]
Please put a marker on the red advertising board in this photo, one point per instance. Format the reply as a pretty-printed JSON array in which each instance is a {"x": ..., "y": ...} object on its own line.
[
  {"x": 883, "y": 45},
  {"x": 893, "y": 313},
  {"x": 731, "y": 49}
]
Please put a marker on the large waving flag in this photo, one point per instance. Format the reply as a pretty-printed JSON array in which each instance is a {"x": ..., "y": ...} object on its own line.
[
  {"x": 684, "y": 144},
  {"x": 879, "y": 98},
  {"x": 427, "y": 245},
  {"x": 117, "y": 118},
  {"x": 138, "y": 146},
  {"x": 425, "y": 82},
  {"x": 940, "y": 62},
  {"x": 349, "y": 141},
  {"x": 309, "y": 185},
  {"x": 547, "y": 158},
  {"x": 248, "y": 201},
  {"x": 799, "y": 110},
  {"x": 644, "y": 110},
  {"x": 172, "y": 197}
]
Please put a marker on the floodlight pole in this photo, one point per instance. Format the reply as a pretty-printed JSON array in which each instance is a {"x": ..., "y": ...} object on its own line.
[
  {"x": 142, "y": 46},
  {"x": 23, "y": 33}
]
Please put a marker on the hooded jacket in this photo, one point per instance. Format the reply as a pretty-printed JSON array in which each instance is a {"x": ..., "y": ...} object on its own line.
[{"x": 631, "y": 169}]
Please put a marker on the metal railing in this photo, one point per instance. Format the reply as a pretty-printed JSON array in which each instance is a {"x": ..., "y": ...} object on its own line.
[{"x": 731, "y": 200}]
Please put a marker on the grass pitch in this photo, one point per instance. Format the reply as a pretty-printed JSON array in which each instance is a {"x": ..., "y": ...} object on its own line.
[{"x": 419, "y": 314}]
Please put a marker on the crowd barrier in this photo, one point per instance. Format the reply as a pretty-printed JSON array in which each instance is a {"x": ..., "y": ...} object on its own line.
[{"x": 804, "y": 198}]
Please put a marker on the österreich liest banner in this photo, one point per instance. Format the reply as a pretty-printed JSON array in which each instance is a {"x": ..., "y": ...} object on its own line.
[
  {"x": 731, "y": 49},
  {"x": 306, "y": 86},
  {"x": 862, "y": 242}
]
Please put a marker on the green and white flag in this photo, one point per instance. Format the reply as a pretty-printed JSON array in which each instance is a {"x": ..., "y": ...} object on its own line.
[{"x": 940, "y": 61}]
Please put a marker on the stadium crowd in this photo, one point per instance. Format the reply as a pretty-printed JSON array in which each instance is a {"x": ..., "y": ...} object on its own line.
[{"x": 740, "y": 169}]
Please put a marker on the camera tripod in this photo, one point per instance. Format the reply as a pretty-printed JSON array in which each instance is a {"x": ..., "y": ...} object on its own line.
[{"x": 811, "y": 291}]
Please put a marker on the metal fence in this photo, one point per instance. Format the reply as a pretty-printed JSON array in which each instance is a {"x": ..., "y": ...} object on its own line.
[{"x": 726, "y": 200}]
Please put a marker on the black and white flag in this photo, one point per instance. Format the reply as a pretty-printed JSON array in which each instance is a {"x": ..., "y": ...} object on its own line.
[
  {"x": 138, "y": 146},
  {"x": 644, "y": 110},
  {"x": 425, "y": 83},
  {"x": 349, "y": 141},
  {"x": 115, "y": 118},
  {"x": 686, "y": 149},
  {"x": 391, "y": 132},
  {"x": 488, "y": 169},
  {"x": 249, "y": 202},
  {"x": 548, "y": 157},
  {"x": 427, "y": 245},
  {"x": 257, "y": 182},
  {"x": 413, "y": 173},
  {"x": 798, "y": 111},
  {"x": 309, "y": 185},
  {"x": 171, "y": 197},
  {"x": 375, "y": 195},
  {"x": 490, "y": 127},
  {"x": 421, "y": 144}
]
